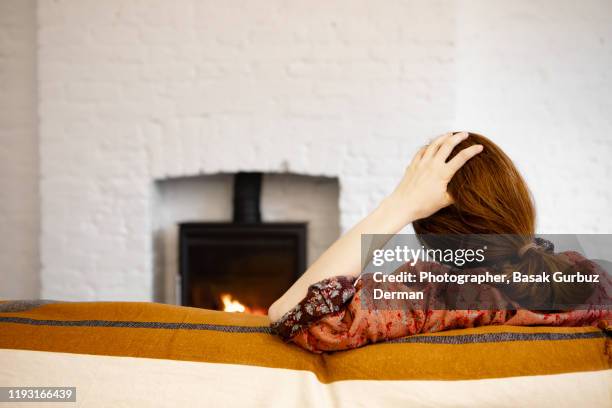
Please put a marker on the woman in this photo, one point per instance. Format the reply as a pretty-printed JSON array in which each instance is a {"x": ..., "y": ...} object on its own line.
[{"x": 461, "y": 183}]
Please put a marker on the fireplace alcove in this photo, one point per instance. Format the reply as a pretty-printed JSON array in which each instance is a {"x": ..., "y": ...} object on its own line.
[{"x": 198, "y": 220}]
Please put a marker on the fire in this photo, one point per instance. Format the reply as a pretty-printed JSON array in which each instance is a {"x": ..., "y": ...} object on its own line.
[{"x": 233, "y": 305}]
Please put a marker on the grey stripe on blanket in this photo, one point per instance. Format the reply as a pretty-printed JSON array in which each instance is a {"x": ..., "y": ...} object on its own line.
[{"x": 446, "y": 339}]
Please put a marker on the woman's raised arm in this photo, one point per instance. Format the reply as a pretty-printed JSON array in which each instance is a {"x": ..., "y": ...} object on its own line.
[{"x": 421, "y": 192}]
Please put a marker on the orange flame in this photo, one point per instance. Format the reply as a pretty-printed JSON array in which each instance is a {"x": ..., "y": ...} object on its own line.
[{"x": 233, "y": 305}]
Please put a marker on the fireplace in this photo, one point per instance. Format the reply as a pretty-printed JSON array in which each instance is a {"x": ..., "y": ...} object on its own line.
[{"x": 242, "y": 265}]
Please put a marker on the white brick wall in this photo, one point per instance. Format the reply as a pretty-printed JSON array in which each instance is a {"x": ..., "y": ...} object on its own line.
[
  {"x": 19, "y": 205},
  {"x": 537, "y": 75},
  {"x": 137, "y": 91},
  {"x": 132, "y": 92}
]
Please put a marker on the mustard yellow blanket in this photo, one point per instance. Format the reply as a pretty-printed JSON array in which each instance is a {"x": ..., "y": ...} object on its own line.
[{"x": 180, "y": 333}]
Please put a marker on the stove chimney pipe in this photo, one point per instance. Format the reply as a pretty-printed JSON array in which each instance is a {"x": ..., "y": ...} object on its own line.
[{"x": 247, "y": 194}]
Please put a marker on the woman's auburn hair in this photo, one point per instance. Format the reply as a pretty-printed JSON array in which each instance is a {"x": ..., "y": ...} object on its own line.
[
  {"x": 491, "y": 198},
  {"x": 489, "y": 194}
]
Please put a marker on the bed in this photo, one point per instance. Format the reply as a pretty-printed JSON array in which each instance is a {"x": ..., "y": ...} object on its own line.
[{"x": 129, "y": 354}]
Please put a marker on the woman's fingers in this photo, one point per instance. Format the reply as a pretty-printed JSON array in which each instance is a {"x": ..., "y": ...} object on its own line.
[
  {"x": 449, "y": 144},
  {"x": 461, "y": 158},
  {"x": 433, "y": 147},
  {"x": 417, "y": 157}
]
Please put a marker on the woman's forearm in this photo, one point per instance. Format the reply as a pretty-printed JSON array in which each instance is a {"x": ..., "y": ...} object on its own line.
[{"x": 344, "y": 256}]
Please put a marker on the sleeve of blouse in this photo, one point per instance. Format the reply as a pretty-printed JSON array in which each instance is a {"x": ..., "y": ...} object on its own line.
[
  {"x": 363, "y": 321},
  {"x": 323, "y": 298}
]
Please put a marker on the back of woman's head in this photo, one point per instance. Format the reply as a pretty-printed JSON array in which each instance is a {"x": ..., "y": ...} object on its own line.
[
  {"x": 492, "y": 204},
  {"x": 489, "y": 194}
]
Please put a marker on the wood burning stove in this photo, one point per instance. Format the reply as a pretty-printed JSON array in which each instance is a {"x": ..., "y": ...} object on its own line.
[{"x": 242, "y": 265}]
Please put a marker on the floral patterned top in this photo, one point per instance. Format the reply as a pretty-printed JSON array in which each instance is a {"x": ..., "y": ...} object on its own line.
[
  {"x": 323, "y": 298},
  {"x": 337, "y": 314}
]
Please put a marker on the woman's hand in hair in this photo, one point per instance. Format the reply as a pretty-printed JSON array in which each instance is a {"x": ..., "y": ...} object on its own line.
[
  {"x": 423, "y": 189},
  {"x": 421, "y": 193}
]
